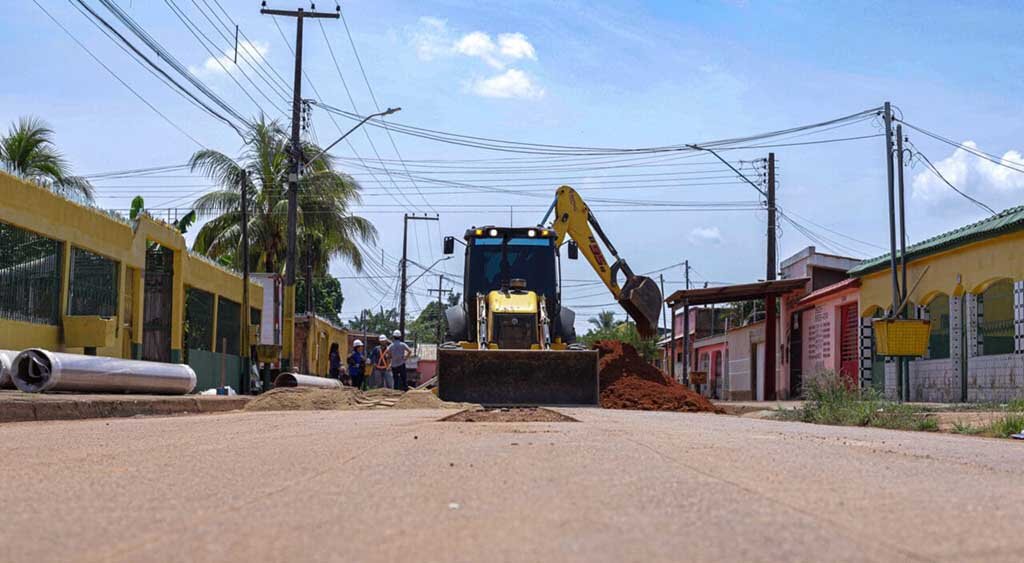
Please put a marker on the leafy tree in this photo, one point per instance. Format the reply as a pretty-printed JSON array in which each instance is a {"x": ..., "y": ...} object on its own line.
[
  {"x": 327, "y": 228},
  {"x": 28, "y": 152},
  {"x": 381, "y": 322},
  {"x": 327, "y": 297},
  {"x": 424, "y": 328},
  {"x": 624, "y": 331},
  {"x": 605, "y": 320}
]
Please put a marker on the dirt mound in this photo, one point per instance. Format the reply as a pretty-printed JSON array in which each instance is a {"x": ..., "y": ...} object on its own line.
[
  {"x": 629, "y": 382},
  {"x": 305, "y": 399},
  {"x": 427, "y": 400}
]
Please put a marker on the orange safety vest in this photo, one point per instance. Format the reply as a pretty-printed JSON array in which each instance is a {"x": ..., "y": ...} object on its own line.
[{"x": 384, "y": 361}]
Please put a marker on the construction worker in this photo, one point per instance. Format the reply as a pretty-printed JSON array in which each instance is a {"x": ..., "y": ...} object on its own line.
[
  {"x": 381, "y": 362},
  {"x": 357, "y": 364},
  {"x": 398, "y": 351}
]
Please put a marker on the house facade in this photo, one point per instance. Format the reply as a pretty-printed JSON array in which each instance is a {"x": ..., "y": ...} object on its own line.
[{"x": 969, "y": 283}]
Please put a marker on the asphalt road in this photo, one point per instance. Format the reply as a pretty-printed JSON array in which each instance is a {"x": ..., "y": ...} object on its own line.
[{"x": 398, "y": 486}]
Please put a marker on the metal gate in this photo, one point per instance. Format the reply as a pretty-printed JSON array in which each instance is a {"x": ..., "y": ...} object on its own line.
[
  {"x": 156, "y": 323},
  {"x": 849, "y": 348}
]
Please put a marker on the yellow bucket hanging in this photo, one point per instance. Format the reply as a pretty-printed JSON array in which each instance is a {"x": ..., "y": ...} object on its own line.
[{"x": 901, "y": 337}]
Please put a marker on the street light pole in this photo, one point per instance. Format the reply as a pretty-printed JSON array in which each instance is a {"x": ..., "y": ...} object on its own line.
[
  {"x": 405, "y": 267},
  {"x": 295, "y": 165}
]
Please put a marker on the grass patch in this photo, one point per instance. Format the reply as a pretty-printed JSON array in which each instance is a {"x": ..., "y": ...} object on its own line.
[
  {"x": 967, "y": 429},
  {"x": 1005, "y": 426},
  {"x": 830, "y": 401}
]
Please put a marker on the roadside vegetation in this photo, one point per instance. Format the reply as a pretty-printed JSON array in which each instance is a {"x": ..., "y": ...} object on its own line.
[{"x": 828, "y": 400}]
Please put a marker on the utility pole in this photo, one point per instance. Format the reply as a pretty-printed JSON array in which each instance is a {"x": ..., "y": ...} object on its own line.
[
  {"x": 246, "y": 315},
  {"x": 904, "y": 366},
  {"x": 686, "y": 328},
  {"x": 405, "y": 265},
  {"x": 890, "y": 176},
  {"x": 440, "y": 304},
  {"x": 294, "y": 165},
  {"x": 664, "y": 308},
  {"x": 770, "y": 336}
]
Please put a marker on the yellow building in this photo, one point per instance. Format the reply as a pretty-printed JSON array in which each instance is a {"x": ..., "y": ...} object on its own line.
[
  {"x": 969, "y": 283},
  {"x": 78, "y": 279}
]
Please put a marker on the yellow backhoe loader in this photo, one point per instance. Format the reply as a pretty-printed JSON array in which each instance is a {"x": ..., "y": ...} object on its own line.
[{"x": 512, "y": 342}]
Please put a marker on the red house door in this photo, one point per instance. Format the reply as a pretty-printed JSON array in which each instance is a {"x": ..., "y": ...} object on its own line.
[{"x": 848, "y": 349}]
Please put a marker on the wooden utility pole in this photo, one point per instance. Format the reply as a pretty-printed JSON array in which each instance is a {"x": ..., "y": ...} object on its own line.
[
  {"x": 405, "y": 265},
  {"x": 686, "y": 327},
  {"x": 246, "y": 315},
  {"x": 295, "y": 164},
  {"x": 440, "y": 305},
  {"x": 770, "y": 321}
]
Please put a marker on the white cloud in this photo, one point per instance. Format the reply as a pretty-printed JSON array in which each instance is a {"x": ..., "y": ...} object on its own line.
[
  {"x": 516, "y": 46},
  {"x": 970, "y": 174},
  {"x": 226, "y": 63},
  {"x": 705, "y": 235},
  {"x": 433, "y": 39},
  {"x": 512, "y": 83}
]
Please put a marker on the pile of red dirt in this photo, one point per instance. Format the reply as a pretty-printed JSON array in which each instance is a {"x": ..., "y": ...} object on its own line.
[{"x": 629, "y": 382}]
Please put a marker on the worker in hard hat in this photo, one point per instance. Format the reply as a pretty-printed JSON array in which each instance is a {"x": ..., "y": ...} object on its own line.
[
  {"x": 381, "y": 362},
  {"x": 356, "y": 364},
  {"x": 399, "y": 351}
]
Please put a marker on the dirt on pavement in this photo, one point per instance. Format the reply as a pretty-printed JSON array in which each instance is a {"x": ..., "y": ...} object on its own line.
[
  {"x": 511, "y": 414},
  {"x": 348, "y": 398},
  {"x": 629, "y": 382}
]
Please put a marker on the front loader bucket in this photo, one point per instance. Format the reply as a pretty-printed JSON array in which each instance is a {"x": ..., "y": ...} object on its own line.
[
  {"x": 641, "y": 298},
  {"x": 518, "y": 377}
]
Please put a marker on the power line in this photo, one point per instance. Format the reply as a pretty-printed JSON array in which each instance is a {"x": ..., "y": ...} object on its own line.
[
  {"x": 976, "y": 152},
  {"x": 116, "y": 77},
  {"x": 935, "y": 171}
]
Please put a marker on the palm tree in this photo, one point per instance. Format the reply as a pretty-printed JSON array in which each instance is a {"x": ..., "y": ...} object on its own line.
[
  {"x": 28, "y": 152},
  {"x": 326, "y": 226},
  {"x": 605, "y": 320}
]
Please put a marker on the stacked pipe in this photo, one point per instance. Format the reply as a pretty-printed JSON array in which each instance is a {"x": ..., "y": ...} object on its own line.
[
  {"x": 6, "y": 359},
  {"x": 299, "y": 380},
  {"x": 36, "y": 370}
]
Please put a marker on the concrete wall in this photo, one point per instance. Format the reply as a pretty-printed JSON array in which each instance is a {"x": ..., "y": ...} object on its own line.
[
  {"x": 742, "y": 342},
  {"x": 38, "y": 210},
  {"x": 995, "y": 379}
]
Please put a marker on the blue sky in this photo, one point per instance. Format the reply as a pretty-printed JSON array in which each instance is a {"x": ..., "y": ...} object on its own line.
[{"x": 621, "y": 74}]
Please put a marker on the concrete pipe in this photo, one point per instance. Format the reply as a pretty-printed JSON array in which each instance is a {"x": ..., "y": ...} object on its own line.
[
  {"x": 299, "y": 380},
  {"x": 6, "y": 359},
  {"x": 36, "y": 370}
]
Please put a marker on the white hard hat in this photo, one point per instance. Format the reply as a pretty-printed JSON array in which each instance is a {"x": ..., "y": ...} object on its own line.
[
  {"x": 397, "y": 333},
  {"x": 357, "y": 343},
  {"x": 382, "y": 338}
]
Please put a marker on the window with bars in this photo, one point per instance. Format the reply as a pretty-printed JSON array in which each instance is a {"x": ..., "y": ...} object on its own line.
[
  {"x": 938, "y": 339},
  {"x": 995, "y": 319},
  {"x": 229, "y": 326},
  {"x": 30, "y": 276},
  {"x": 198, "y": 319},
  {"x": 93, "y": 284}
]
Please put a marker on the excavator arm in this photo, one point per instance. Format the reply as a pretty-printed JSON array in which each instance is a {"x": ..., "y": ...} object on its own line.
[{"x": 638, "y": 295}]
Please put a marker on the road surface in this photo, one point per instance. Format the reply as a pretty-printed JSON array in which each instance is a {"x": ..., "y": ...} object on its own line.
[{"x": 398, "y": 486}]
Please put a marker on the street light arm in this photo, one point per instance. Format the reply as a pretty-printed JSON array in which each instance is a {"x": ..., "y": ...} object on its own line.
[
  {"x": 425, "y": 270},
  {"x": 388, "y": 111}
]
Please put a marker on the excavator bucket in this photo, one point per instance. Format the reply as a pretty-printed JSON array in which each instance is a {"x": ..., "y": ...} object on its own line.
[
  {"x": 518, "y": 377},
  {"x": 641, "y": 298}
]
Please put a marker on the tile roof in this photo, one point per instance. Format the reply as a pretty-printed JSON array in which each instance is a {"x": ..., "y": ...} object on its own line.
[{"x": 1002, "y": 223}]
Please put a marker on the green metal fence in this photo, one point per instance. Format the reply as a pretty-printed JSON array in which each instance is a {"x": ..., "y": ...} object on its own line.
[
  {"x": 30, "y": 276},
  {"x": 229, "y": 326},
  {"x": 198, "y": 319},
  {"x": 93, "y": 285}
]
